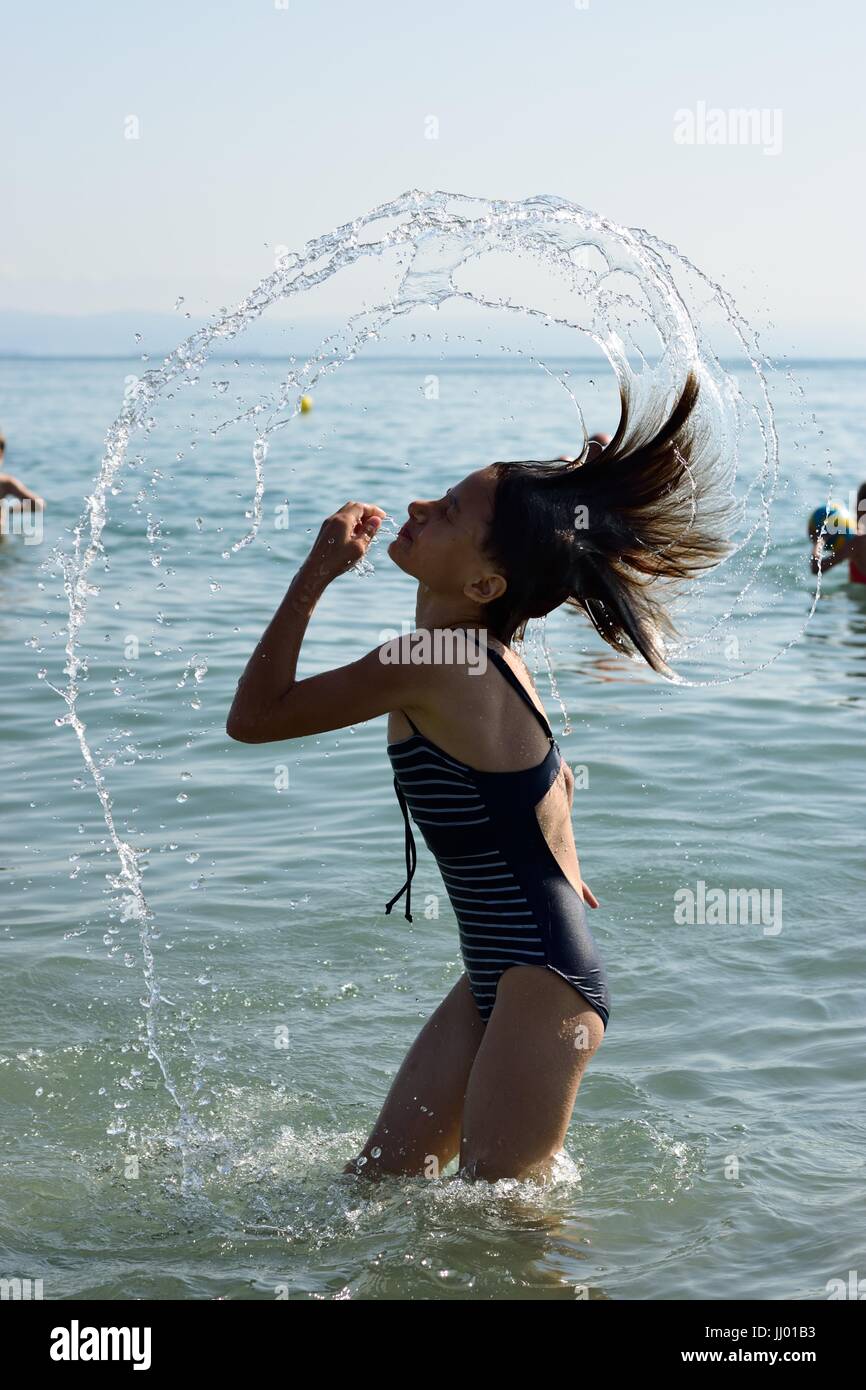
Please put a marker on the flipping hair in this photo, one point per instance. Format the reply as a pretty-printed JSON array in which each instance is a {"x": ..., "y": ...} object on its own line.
[{"x": 610, "y": 534}]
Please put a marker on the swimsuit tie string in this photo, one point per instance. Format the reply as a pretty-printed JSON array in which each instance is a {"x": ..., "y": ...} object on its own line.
[{"x": 411, "y": 857}]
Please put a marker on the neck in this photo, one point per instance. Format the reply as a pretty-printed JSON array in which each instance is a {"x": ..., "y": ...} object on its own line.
[{"x": 437, "y": 610}]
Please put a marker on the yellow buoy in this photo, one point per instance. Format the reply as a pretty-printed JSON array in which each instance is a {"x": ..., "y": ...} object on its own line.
[{"x": 306, "y": 404}]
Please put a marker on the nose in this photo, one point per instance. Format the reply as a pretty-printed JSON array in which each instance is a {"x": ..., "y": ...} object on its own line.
[{"x": 417, "y": 510}]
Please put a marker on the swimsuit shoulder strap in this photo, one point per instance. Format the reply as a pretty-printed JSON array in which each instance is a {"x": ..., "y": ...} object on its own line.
[{"x": 516, "y": 684}]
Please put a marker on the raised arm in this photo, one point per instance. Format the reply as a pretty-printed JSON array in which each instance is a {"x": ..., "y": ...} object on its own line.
[
  {"x": 11, "y": 487},
  {"x": 270, "y": 703}
]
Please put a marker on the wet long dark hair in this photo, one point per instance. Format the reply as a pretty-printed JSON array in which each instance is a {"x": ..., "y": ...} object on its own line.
[{"x": 610, "y": 533}]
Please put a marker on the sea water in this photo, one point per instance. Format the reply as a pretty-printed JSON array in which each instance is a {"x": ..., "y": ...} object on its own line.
[{"x": 204, "y": 1003}]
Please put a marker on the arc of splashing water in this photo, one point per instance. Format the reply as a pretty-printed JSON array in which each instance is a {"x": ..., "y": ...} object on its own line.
[
  {"x": 436, "y": 283},
  {"x": 551, "y": 226},
  {"x": 87, "y": 548},
  {"x": 748, "y": 340},
  {"x": 646, "y": 249}
]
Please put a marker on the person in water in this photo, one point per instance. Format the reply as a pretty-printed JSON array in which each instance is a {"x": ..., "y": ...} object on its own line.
[
  {"x": 852, "y": 549},
  {"x": 596, "y": 441},
  {"x": 11, "y": 487},
  {"x": 493, "y": 1075}
]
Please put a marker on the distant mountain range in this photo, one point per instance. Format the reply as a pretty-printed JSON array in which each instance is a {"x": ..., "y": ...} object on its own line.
[{"x": 25, "y": 334}]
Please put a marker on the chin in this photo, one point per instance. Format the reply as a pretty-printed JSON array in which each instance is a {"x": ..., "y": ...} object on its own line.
[{"x": 400, "y": 552}]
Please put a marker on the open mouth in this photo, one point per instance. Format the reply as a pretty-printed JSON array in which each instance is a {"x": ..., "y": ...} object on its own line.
[{"x": 404, "y": 534}]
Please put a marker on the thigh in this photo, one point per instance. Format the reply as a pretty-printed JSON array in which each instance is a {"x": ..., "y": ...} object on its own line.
[
  {"x": 418, "y": 1129},
  {"x": 540, "y": 1037}
]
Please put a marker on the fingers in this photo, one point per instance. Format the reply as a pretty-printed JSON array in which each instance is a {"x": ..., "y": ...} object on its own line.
[
  {"x": 361, "y": 520},
  {"x": 344, "y": 538},
  {"x": 362, "y": 510}
]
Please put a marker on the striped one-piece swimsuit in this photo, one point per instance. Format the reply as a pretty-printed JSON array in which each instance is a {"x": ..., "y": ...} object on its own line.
[{"x": 513, "y": 903}]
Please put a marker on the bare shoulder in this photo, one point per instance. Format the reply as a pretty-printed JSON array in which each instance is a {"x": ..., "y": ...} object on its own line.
[
  {"x": 463, "y": 675},
  {"x": 520, "y": 668}
]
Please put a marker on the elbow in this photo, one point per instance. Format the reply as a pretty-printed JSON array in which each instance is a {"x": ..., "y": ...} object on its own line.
[
  {"x": 237, "y": 729},
  {"x": 263, "y": 729},
  {"x": 259, "y": 722}
]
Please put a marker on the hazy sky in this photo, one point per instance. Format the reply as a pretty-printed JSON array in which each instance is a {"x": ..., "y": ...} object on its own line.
[{"x": 259, "y": 124}]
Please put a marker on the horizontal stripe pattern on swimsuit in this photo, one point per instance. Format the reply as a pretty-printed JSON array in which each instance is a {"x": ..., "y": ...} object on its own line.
[
  {"x": 494, "y": 918},
  {"x": 513, "y": 904},
  {"x": 436, "y": 789}
]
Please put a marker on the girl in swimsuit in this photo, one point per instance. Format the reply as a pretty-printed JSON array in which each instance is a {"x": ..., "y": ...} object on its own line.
[{"x": 493, "y": 1075}]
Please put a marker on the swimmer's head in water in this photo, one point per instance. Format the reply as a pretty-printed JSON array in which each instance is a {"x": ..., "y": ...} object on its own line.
[
  {"x": 832, "y": 525},
  {"x": 609, "y": 533}
]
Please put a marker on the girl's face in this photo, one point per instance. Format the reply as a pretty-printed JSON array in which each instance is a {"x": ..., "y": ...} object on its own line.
[{"x": 442, "y": 543}]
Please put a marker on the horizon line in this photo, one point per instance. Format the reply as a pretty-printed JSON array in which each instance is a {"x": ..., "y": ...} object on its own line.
[{"x": 383, "y": 357}]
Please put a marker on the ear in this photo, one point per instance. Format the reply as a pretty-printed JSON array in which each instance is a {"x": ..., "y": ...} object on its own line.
[{"x": 485, "y": 589}]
